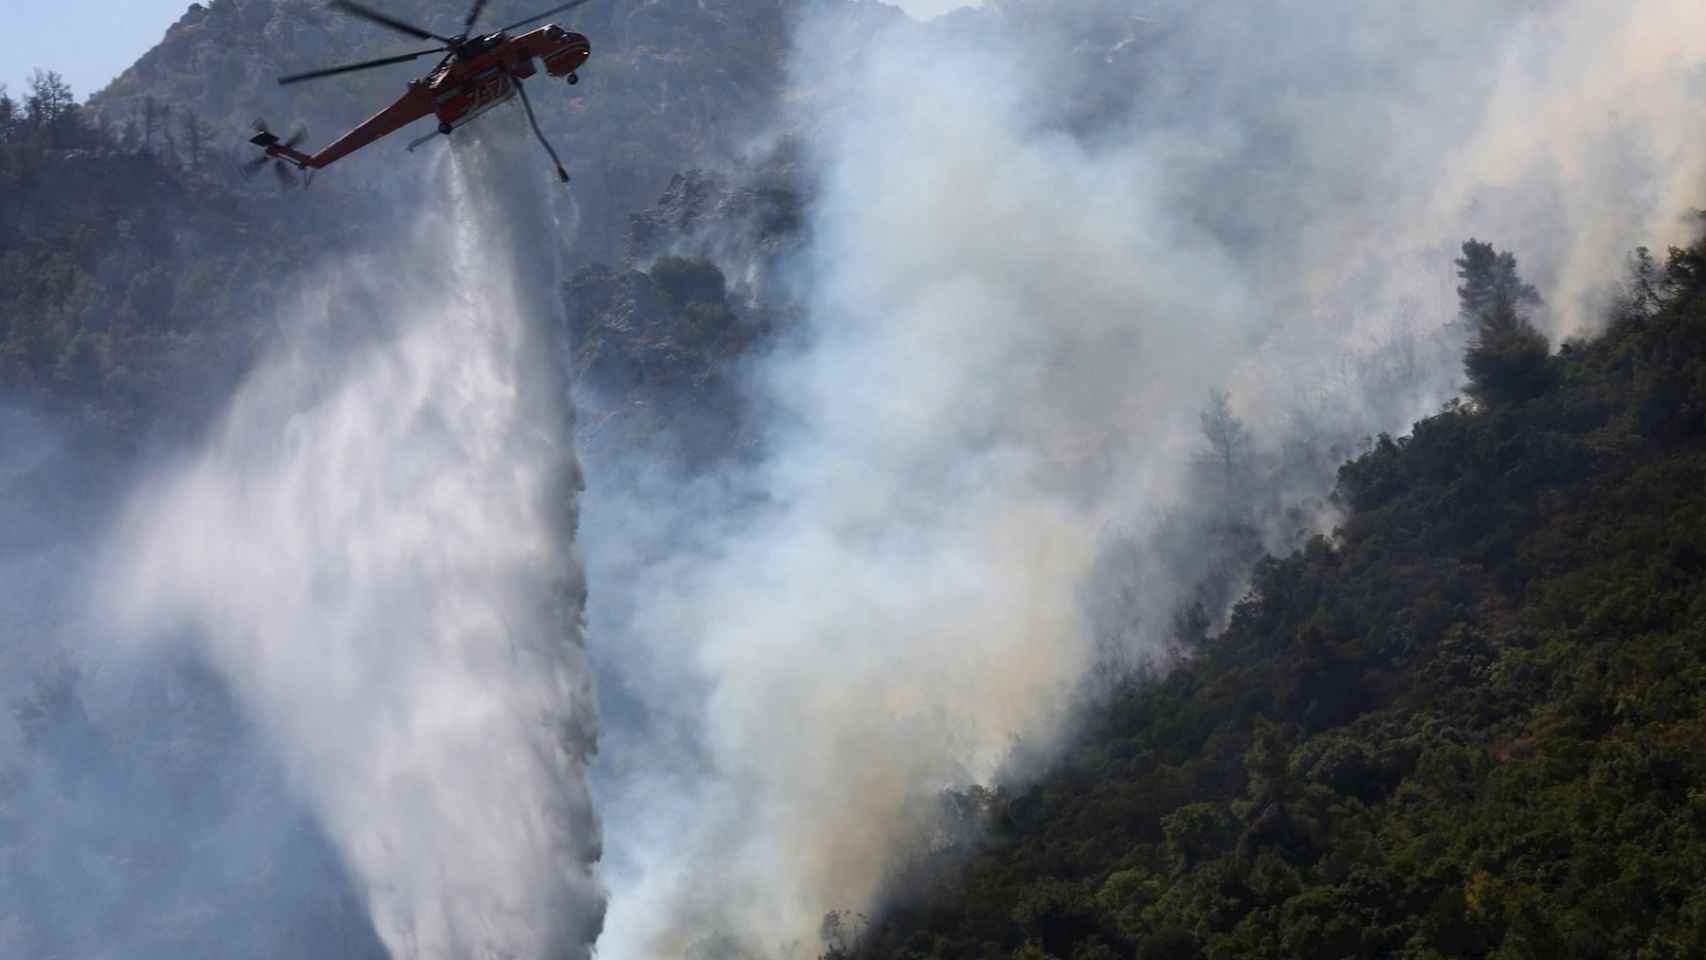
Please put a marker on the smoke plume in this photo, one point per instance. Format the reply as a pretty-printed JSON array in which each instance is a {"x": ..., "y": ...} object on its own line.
[{"x": 1043, "y": 234}]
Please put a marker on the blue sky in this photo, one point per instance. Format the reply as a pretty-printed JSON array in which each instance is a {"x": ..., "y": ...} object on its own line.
[{"x": 87, "y": 41}]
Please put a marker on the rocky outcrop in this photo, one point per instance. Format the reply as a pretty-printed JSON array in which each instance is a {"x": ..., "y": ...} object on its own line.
[{"x": 658, "y": 338}]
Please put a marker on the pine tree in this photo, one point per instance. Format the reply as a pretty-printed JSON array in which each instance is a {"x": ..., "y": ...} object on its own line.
[
  {"x": 8, "y": 115},
  {"x": 195, "y": 137},
  {"x": 1506, "y": 358},
  {"x": 1223, "y": 462},
  {"x": 51, "y": 109},
  {"x": 1488, "y": 276},
  {"x": 167, "y": 137},
  {"x": 1648, "y": 288},
  {"x": 150, "y": 121}
]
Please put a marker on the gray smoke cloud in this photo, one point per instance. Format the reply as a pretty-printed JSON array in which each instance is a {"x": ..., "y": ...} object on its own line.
[
  {"x": 374, "y": 553},
  {"x": 1042, "y": 234}
]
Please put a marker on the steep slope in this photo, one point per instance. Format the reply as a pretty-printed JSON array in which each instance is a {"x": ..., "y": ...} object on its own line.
[
  {"x": 127, "y": 283},
  {"x": 672, "y": 84},
  {"x": 659, "y": 339},
  {"x": 1466, "y": 726}
]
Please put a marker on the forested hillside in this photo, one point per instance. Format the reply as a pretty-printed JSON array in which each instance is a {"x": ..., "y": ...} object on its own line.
[
  {"x": 1466, "y": 725},
  {"x": 128, "y": 271}
]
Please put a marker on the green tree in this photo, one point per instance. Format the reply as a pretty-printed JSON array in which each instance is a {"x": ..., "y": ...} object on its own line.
[
  {"x": 1267, "y": 764},
  {"x": 195, "y": 133},
  {"x": 150, "y": 121},
  {"x": 51, "y": 109},
  {"x": 1490, "y": 276},
  {"x": 168, "y": 136},
  {"x": 1648, "y": 289},
  {"x": 1506, "y": 358},
  {"x": 8, "y": 115}
]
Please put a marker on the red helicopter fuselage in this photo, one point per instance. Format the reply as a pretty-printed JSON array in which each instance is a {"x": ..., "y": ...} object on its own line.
[{"x": 482, "y": 74}]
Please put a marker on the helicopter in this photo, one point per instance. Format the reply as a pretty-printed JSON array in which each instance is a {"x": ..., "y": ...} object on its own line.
[{"x": 478, "y": 72}]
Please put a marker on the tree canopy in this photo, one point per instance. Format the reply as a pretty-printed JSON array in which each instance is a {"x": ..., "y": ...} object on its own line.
[
  {"x": 1466, "y": 725},
  {"x": 1506, "y": 359}
]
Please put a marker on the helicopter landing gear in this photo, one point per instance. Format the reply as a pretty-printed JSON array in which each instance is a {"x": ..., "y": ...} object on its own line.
[
  {"x": 574, "y": 78},
  {"x": 445, "y": 128}
]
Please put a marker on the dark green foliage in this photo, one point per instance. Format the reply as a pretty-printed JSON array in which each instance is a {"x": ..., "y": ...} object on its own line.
[
  {"x": 128, "y": 286},
  {"x": 48, "y": 116},
  {"x": 1490, "y": 278},
  {"x": 9, "y": 116},
  {"x": 1470, "y": 725},
  {"x": 51, "y": 114},
  {"x": 1506, "y": 362},
  {"x": 195, "y": 138},
  {"x": 1506, "y": 359}
]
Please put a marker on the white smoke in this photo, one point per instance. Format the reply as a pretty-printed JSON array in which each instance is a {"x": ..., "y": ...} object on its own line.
[
  {"x": 375, "y": 548},
  {"x": 1044, "y": 232}
]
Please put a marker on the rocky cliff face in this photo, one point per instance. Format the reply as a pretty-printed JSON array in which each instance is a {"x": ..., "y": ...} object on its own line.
[{"x": 700, "y": 289}]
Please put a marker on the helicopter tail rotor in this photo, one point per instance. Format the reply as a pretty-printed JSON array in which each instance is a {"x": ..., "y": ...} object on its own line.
[{"x": 281, "y": 155}]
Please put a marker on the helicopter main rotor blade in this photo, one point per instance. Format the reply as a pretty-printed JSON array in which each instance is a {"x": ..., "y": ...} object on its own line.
[
  {"x": 474, "y": 14},
  {"x": 540, "y": 16},
  {"x": 349, "y": 67},
  {"x": 367, "y": 13}
]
